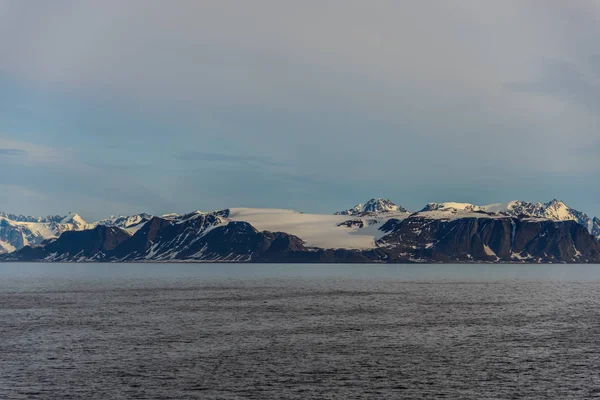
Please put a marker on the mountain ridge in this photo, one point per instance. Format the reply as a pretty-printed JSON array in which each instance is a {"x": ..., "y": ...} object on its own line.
[
  {"x": 554, "y": 210},
  {"x": 364, "y": 232}
]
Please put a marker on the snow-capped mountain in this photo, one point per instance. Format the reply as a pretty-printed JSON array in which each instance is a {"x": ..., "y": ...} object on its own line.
[
  {"x": 131, "y": 223},
  {"x": 18, "y": 231},
  {"x": 450, "y": 206},
  {"x": 22, "y": 231},
  {"x": 28, "y": 218},
  {"x": 373, "y": 206},
  {"x": 270, "y": 235},
  {"x": 555, "y": 210},
  {"x": 197, "y": 236},
  {"x": 74, "y": 221},
  {"x": 376, "y": 231}
]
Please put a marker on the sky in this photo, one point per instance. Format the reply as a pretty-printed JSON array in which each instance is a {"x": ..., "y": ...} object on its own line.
[{"x": 117, "y": 107}]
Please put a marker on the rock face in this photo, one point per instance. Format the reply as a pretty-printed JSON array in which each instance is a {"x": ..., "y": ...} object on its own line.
[
  {"x": 500, "y": 239},
  {"x": 596, "y": 228},
  {"x": 88, "y": 245},
  {"x": 433, "y": 236}
]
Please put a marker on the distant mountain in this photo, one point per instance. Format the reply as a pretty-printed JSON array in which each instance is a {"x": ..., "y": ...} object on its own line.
[
  {"x": 376, "y": 231},
  {"x": 17, "y": 231},
  {"x": 555, "y": 210},
  {"x": 452, "y": 206},
  {"x": 75, "y": 221},
  {"x": 373, "y": 206},
  {"x": 22, "y": 231},
  {"x": 131, "y": 223},
  {"x": 77, "y": 246},
  {"x": 194, "y": 237},
  {"x": 443, "y": 234},
  {"x": 27, "y": 218},
  {"x": 477, "y": 236}
]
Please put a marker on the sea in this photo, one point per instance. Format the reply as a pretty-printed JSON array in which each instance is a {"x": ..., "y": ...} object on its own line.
[{"x": 275, "y": 331}]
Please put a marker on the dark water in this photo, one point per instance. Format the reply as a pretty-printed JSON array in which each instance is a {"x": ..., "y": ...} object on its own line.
[{"x": 299, "y": 332}]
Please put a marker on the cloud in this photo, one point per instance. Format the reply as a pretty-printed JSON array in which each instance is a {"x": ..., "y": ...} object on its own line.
[
  {"x": 31, "y": 153},
  {"x": 422, "y": 100},
  {"x": 191, "y": 155},
  {"x": 8, "y": 192},
  {"x": 564, "y": 80},
  {"x": 52, "y": 180},
  {"x": 12, "y": 152}
]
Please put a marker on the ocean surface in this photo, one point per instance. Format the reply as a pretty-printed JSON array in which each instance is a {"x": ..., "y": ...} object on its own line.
[{"x": 227, "y": 331}]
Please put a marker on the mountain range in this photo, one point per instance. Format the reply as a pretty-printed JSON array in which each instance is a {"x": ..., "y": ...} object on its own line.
[
  {"x": 375, "y": 231},
  {"x": 18, "y": 231}
]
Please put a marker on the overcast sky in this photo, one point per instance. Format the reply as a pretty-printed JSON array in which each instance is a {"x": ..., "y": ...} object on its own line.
[{"x": 115, "y": 107}]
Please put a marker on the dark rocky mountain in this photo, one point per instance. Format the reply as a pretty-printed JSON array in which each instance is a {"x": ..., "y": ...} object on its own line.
[
  {"x": 487, "y": 238},
  {"x": 195, "y": 237},
  {"x": 436, "y": 236},
  {"x": 360, "y": 223},
  {"x": 87, "y": 245}
]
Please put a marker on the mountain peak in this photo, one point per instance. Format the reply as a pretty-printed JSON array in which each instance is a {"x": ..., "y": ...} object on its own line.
[
  {"x": 555, "y": 203},
  {"x": 375, "y": 205},
  {"x": 74, "y": 219}
]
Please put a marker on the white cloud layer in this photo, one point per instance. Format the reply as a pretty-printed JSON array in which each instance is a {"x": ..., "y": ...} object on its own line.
[{"x": 348, "y": 91}]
